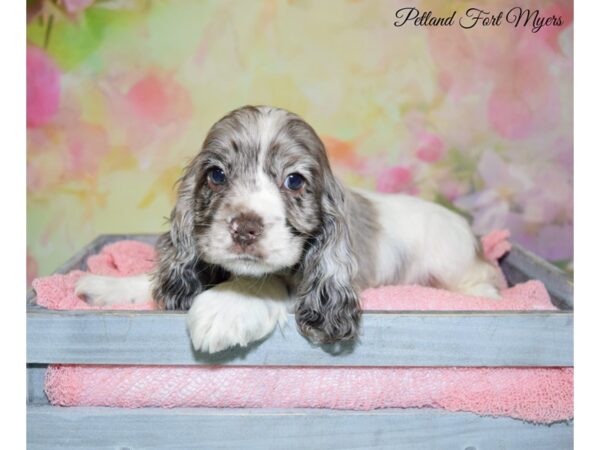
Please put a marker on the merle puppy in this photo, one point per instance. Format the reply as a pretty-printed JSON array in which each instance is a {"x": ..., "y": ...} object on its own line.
[{"x": 261, "y": 225}]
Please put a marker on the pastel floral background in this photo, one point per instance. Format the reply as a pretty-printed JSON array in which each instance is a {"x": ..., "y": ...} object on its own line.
[{"x": 120, "y": 94}]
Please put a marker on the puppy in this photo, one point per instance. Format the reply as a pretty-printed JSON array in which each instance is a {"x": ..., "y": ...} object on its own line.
[{"x": 261, "y": 225}]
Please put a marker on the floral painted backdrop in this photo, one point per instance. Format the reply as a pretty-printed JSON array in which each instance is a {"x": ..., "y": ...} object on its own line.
[{"x": 120, "y": 94}]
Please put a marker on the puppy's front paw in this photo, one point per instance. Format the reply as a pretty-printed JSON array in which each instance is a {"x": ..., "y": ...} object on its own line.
[
  {"x": 236, "y": 313},
  {"x": 96, "y": 290},
  {"x": 99, "y": 290}
]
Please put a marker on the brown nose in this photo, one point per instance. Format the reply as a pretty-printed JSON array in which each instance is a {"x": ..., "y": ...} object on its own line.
[{"x": 245, "y": 229}]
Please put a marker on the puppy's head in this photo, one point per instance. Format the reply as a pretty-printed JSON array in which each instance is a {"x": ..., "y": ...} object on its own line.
[
  {"x": 259, "y": 198},
  {"x": 258, "y": 183}
]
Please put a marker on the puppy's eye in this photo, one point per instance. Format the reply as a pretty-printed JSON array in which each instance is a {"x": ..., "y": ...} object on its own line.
[
  {"x": 294, "y": 182},
  {"x": 217, "y": 176}
]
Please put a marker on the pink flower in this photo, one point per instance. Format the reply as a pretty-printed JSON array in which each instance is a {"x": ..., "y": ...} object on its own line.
[
  {"x": 395, "y": 179},
  {"x": 452, "y": 189},
  {"x": 509, "y": 113},
  {"x": 525, "y": 98},
  {"x": 77, "y": 6},
  {"x": 159, "y": 100},
  {"x": 43, "y": 88},
  {"x": 430, "y": 147},
  {"x": 550, "y": 34}
]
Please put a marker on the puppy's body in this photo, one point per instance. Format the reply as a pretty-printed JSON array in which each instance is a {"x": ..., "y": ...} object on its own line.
[
  {"x": 420, "y": 242},
  {"x": 260, "y": 202}
]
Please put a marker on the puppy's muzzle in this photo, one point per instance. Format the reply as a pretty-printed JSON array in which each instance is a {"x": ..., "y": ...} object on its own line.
[{"x": 245, "y": 229}]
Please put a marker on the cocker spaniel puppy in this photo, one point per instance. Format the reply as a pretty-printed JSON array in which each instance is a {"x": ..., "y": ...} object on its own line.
[{"x": 261, "y": 223}]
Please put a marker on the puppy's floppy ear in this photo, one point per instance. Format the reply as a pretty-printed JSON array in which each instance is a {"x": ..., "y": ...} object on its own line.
[
  {"x": 328, "y": 307},
  {"x": 181, "y": 273}
]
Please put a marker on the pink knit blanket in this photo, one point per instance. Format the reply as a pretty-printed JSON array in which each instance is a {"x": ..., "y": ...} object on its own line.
[{"x": 541, "y": 395}]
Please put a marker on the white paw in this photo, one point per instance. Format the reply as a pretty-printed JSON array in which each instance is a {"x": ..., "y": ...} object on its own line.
[
  {"x": 236, "y": 312},
  {"x": 486, "y": 291},
  {"x": 100, "y": 290}
]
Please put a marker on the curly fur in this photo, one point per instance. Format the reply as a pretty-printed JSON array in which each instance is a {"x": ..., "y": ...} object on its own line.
[{"x": 181, "y": 272}]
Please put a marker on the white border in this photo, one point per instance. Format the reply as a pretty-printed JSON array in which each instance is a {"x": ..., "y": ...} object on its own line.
[
  {"x": 12, "y": 177},
  {"x": 587, "y": 224}
]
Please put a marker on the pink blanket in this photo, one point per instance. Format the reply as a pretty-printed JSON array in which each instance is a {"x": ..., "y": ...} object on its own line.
[{"x": 542, "y": 395}]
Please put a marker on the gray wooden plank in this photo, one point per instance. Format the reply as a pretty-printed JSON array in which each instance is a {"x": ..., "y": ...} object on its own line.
[
  {"x": 521, "y": 265},
  {"x": 394, "y": 339},
  {"x": 35, "y": 384},
  {"x": 148, "y": 238},
  {"x": 114, "y": 428}
]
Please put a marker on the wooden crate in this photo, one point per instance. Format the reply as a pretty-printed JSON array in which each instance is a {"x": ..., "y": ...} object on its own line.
[{"x": 404, "y": 338}]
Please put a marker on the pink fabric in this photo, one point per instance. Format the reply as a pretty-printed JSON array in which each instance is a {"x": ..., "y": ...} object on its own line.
[
  {"x": 536, "y": 394},
  {"x": 122, "y": 258},
  {"x": 531, "y": 295}
]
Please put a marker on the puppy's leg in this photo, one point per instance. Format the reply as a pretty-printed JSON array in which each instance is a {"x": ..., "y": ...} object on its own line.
[
  {"x": 102, "y": 290},
  {"x": 479, "y": 280},
  {"x": 237, "y": 312}
]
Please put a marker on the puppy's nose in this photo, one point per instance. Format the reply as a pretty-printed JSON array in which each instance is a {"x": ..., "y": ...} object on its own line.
[{"x": 245, "y": 229}]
